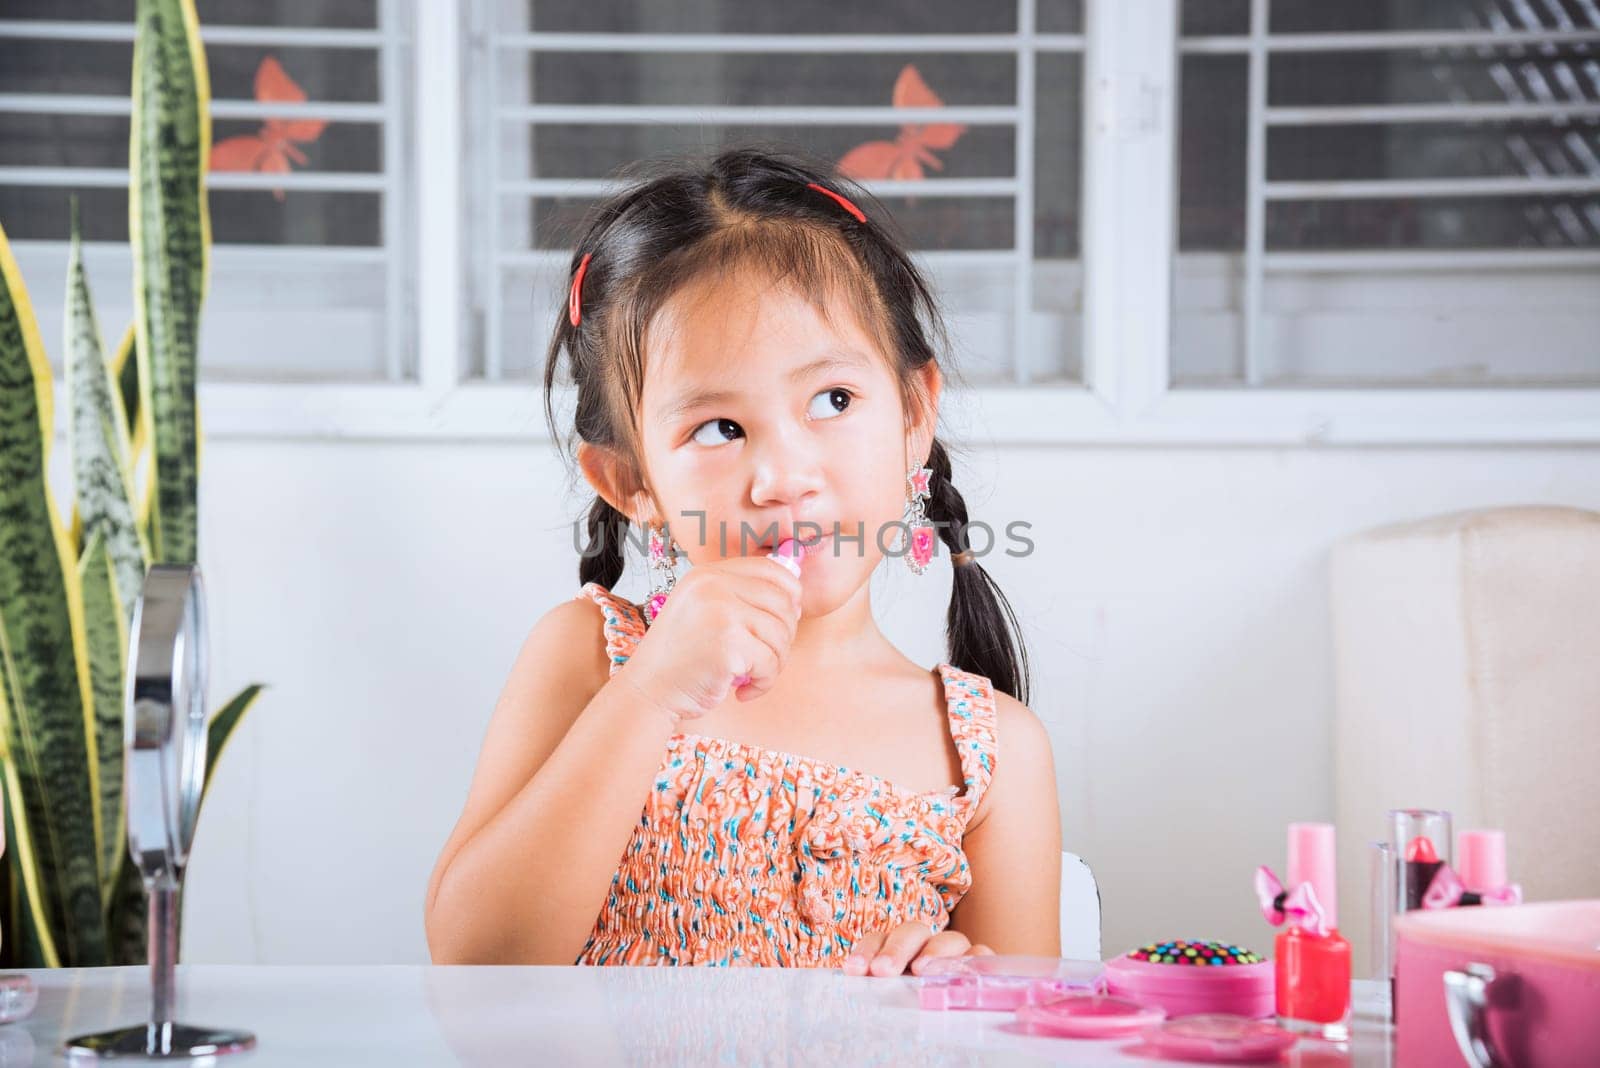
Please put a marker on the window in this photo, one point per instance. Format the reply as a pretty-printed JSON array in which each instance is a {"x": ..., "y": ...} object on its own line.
[
  {"x": 309, "y": 268},
  {"x": 1389, "y": 193},
  {"x": 575, "y": 89},
  {"x": 1250, "y": 221}
]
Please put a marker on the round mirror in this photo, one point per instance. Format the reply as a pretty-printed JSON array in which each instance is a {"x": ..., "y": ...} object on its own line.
[{"x": 165, "y": 724}]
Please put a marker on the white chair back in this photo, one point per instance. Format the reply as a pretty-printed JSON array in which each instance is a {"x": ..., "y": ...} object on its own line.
[{"x": 1080, "y": 910}]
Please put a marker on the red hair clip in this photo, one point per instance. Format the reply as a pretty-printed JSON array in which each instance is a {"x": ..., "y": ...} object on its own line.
[
  {"x": 575, "y": 296},
  {"x": 851, "y": 208}
]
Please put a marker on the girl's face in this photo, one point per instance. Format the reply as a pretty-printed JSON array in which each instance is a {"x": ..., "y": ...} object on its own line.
[{"x": 775, "y": 422}]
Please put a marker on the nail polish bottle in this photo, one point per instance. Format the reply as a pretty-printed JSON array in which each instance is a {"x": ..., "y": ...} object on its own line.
[{"x": 1313, "y": 968}]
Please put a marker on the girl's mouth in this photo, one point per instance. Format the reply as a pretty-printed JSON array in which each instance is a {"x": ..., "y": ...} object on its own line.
[
  {"x": 811, "y": 545},
  {"x": 814, "y": 547}
]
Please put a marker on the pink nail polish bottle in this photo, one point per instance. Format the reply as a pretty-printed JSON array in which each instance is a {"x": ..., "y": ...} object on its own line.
[{"x": 1313, "y": 971}]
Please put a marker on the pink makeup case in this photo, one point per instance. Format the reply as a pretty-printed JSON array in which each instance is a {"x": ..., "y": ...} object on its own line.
[
  {"x": 1190, "y": 976},
  {"x": 1513, "y": 985}
]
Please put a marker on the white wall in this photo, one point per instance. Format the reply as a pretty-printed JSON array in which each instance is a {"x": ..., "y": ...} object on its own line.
[{"x": 1176, "y": 607}]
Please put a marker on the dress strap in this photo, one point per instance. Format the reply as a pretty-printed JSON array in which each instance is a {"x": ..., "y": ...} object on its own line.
[
  {"x": 969, "y": 700},
  {"x": 624, "y": 622}
]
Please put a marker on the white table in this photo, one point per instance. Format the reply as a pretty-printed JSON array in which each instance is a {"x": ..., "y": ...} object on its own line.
[{"x": 405, "y": 1015}]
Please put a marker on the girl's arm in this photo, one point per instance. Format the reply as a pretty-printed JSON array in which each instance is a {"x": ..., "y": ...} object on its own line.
[
  {"x": 1013, "y": 844},
  {"x": 565, "y": 770}
]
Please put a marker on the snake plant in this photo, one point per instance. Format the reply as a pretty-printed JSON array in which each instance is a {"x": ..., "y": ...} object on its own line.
[{"x": 71, "y": 896}]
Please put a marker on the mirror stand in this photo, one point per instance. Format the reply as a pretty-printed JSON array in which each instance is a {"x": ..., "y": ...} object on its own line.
[
  {"x": 162, "y": 1036},
  {"x": 165, "y": 752}
]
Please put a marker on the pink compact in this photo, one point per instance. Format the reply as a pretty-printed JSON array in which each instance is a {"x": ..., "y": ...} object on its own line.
[
  {"x": 1087, "y": 1016},
  {"x": 1194, "y": 976},
  {"x": 1219, "y": 1039},
  {"x": 1004, "y": 983}
]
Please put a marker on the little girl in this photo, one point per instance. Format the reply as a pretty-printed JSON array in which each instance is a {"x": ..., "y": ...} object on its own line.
[{"x": 744, "y": 770}]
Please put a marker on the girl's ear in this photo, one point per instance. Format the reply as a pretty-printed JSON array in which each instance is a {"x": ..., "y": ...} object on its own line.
[
  {"x": 613, "y": 477},
  {"x": 923, "y": 418}
]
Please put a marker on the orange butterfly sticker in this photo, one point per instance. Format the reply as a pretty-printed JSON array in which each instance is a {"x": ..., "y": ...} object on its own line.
[
  {"x": 270, "y": 150},
  {"x": 906, "y": 155}
]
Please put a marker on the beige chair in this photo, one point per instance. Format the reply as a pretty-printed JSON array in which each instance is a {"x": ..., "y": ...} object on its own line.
[{"x": 1467, "y": 677}]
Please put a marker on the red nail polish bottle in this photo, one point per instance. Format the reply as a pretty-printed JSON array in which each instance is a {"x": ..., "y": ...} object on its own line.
[{"x": 1313, "y": 970}]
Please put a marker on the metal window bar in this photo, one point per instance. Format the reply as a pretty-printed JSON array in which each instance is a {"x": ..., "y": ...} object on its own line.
[
  {"x": 1022, "y": 200},
  {"x": 113, "y": 178},
  {"x": 392, "y": 84},
  {"x": 1384, "y": 188},
  {"x": 72, "y": 104},
  {"x": 250, "y": 256},
  {"x": 1433, "y": 260},
  {"x": 824, "y": 43},
  {"x": 287, "y": 36},
  {"x": 1255, "y": 218},
  {"x": 494, "y": 311},
  {"x": 389, "y": 39},
  {"x": 1386, "y": 114},
  {"x": 560, "y": 257},
  {"x": 925, "y": 187},
  {"x": 1025, "y": 45},
  {"x": 689, "y": 115},
  {"x": 1385, "y": 41}
]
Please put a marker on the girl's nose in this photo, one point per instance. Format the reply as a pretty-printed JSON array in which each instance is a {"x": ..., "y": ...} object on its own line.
[{"x": 785, "y": 472}]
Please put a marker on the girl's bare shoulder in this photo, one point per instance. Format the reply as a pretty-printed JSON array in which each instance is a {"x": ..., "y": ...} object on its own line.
[
  {"x": 570, "y": 640},
  {"x": 563, "y": 653}
]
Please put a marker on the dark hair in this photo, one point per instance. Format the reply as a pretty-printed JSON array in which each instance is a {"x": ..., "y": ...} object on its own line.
[{"x": 749, "y": 207}]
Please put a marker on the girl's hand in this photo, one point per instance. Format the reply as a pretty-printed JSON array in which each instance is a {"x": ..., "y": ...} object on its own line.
[
  {"x": 886, "y": 952},
  {"x": 725, "y": 618}
]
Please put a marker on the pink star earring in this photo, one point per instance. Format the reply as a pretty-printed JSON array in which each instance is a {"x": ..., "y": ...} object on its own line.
[
  {"x": 919, "y": 532},
  {"x": 663, "y": 571}
]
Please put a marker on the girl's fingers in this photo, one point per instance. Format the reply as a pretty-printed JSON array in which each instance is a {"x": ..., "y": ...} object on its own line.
[
  {"x": 759, "y": 662},
  {"x": 770, "y": 652},
  {"x": 944, "y": 944},
  {"x": 778, "y": 595},
  {"x": 979, "y": 950},
  {"x": 901, "y": 945},
  {"x": 861, "y": 954}
]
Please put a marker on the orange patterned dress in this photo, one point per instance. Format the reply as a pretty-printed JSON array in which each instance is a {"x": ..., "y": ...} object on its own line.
[{"x": 748, "y": 856}]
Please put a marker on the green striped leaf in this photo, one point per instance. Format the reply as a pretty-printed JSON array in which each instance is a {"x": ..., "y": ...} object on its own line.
[
  {"x": 170, "y": 230},
  {"x": 48, "y": 710},
  {"x": 125, "y": 371},
  {"x": 27, "y": 941},
  {"x": 222, "y": 727},
  {"x": 107, "y": 633},
  {"x": 128, "y": 915},
  {"x": 102, "y": 475},
  {"x": 112, "y": 565}
]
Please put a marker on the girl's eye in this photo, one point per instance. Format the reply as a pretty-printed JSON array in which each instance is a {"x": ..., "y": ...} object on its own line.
[
  {"x": 722, "y": 431},
  {"x": 834, "y": 401}
]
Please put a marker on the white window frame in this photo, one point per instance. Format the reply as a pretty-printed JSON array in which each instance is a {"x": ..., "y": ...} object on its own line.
[{"x": 1129, "y": 249}]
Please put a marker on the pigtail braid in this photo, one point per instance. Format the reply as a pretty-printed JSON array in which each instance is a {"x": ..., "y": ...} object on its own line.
[
  {"x": 601, "y": 557},
  {"x": 981, "y": 629}
]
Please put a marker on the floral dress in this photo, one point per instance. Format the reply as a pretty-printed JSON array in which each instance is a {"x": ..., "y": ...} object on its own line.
[{"x": 744, "y": 855}]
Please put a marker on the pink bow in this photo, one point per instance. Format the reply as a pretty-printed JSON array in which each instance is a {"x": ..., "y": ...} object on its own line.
[
  {"x": 1298, "y": 907},
  {"x": 1447, "y": 891}
]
